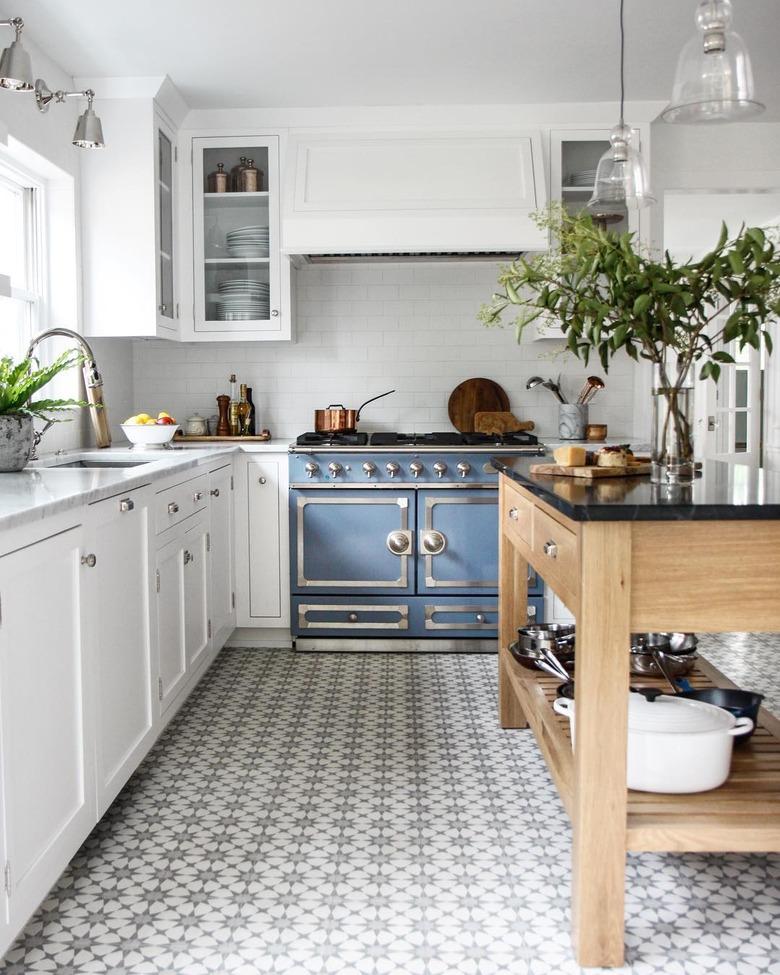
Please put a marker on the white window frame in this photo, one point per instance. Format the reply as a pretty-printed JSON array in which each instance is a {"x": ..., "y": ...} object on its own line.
[{"x": 34, "y": 294}]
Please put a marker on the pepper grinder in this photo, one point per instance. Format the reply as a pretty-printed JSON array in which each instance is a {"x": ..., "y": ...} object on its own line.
[{"x": 223, "y": 423}]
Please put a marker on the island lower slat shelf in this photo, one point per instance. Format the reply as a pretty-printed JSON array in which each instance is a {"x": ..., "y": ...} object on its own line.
[{"x": 743, "y": 815}]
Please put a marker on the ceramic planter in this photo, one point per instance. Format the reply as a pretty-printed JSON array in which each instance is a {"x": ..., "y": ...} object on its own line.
[{"x": 16, "y": 441}]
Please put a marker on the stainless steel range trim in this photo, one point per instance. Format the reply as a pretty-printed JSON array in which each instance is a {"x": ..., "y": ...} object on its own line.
[
  {"x": 431, "y": 624},
  {"x": 430, "y": 581},
  {"x": 399, "y": 583},
  {"x": 534, "y": 450},
  {"x": 304, "y": 608},
  {"x": 392, "y": 485},
  {"x": 395, "y": 645}
]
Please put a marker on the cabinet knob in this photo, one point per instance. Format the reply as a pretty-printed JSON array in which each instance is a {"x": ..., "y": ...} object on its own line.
[
  {"x": 551, "y": 549},
  {"x": 274, "y": 313},
  {"x": 89, "y": 560},
  {"x": 480, "y": 617},
  {"x": 162, "y": 309},
  {"x": 261, "y": 480},
  {"x": 197, "y": 496},
  {"x": 514, "y": 514},
  {"x": 173, "y": 508},
  {"x": 188, "y": 557},
  {"x": 215, "y": 492},
  {"x": 126, "y": 504}
]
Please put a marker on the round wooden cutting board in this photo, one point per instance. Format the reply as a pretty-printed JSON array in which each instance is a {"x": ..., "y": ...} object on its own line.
[{"x": 475, "y": 396}]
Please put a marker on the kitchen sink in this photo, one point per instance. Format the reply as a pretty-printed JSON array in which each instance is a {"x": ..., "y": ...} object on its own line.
[{"x": 95, "y": 465}]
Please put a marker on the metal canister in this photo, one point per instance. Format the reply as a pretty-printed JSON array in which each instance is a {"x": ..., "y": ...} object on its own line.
[
  {"x": 250, "y": 178},
  {"x": 235, "y": 174},
  {"x": 217, "y": 182}
]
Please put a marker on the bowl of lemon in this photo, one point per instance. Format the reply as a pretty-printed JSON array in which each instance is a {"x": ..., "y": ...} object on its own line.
[{"x": 143, "y": 430}]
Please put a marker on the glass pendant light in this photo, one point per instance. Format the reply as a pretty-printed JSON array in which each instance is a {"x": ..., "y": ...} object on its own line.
[
  {"x": 622, "y": 183},
  {"x": 714, "y": 79}
]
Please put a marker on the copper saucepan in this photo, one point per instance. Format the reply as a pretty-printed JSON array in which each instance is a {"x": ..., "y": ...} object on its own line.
[{"x": 337, "y": 419}]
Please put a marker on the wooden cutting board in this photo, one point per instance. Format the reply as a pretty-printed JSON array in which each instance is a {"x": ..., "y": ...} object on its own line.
[
  {"x": 500, "y": 422},
  {"x": 475, "y": 396},
  {"x": 592, "y": 472}
]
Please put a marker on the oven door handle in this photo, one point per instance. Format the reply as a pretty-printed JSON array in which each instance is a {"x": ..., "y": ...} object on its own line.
[
  {"x": 399, "y": 542},
  {"x": 432, "y": 542}
]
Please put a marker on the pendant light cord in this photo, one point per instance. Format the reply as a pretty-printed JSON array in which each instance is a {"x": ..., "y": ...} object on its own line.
[{"x": 622, "y": 63}]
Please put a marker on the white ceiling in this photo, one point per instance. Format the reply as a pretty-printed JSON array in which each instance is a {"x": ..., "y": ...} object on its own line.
[{"x": 253, "y": 53}]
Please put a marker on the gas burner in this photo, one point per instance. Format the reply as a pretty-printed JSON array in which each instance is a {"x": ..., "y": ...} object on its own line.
[
  {"x": 520, "y": 438},
  {"x": 353, "y": 439},
  {"x": 443, "y": 439}
]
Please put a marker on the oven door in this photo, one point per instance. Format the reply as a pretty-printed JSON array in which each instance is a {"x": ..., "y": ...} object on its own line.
[
  {"x": 457, "y": 541},
  {"x": 352, "y": 541}
]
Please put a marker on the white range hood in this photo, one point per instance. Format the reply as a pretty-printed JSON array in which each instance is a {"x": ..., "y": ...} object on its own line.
[{"x": 412, "y": 195}]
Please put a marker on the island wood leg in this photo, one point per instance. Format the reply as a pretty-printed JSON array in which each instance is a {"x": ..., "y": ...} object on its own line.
[
  {"x": 601, "y": 688},
  {"x": 512, "y": 613}
]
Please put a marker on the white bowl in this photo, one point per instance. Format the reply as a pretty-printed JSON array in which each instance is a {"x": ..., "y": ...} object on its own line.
[{"x": 149, "y": 436}]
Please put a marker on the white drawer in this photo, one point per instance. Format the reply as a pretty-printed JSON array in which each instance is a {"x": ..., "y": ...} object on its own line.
[{"x": 179, "y": 502}]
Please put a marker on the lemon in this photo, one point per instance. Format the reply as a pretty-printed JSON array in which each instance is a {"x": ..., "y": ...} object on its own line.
[
  {"x": 132, "y": 420},
  {"x": 142, "y": 418}
]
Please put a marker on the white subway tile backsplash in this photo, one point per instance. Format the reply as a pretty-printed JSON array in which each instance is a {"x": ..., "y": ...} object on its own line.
[{"x": 362, "y": 329}]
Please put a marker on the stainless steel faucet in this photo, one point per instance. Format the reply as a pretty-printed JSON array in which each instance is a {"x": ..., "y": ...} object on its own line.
[{"x": 92, "y": 380}]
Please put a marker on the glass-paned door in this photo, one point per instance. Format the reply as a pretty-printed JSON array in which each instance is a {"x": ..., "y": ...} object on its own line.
[
  {"x": 732, "y": 409},
  {"x": 236, "y": 232},
  {"x": 166, "y": 257}
]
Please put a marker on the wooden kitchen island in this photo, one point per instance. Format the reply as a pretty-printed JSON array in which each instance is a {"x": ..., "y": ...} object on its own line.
[{"x": 628, "y": 556}]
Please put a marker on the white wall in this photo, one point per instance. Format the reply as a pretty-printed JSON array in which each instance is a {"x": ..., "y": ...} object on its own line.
[{"x": 363, "y": 329}]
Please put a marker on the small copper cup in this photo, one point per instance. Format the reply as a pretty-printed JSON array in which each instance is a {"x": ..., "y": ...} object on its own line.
[{"x": 596, "y": 432}]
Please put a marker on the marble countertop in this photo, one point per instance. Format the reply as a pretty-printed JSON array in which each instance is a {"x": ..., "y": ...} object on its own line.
[
  {"x": 40, "y": 491},
  {"x": 721, "y": 492}
]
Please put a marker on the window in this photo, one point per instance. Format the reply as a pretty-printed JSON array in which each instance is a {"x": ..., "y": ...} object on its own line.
[{"x": 21, "y": 260}]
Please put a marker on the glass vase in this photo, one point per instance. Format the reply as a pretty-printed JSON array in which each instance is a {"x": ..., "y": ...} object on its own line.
[{"x": 673, "y": 405}]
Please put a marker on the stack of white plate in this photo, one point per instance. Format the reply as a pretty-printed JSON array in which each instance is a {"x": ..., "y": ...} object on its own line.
[
  {"x": 248, "y": 242},
  {"x": 585, "y": 177},
  {"x": 242, "y": 300}
]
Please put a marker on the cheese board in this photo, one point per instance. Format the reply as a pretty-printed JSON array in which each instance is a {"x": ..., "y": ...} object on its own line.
[
  {"x": 592, "y": 472},
  {"x": 258, "y": 438}
]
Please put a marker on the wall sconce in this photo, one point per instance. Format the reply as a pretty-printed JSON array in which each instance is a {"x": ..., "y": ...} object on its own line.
[
  {"x": 16, "y": 75},
  {"x": 15, "y": 65},
  {"x": 89, "y": 131}
]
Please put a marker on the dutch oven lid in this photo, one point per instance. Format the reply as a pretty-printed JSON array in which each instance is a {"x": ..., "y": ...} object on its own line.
[{"x": 676, "y": 715}]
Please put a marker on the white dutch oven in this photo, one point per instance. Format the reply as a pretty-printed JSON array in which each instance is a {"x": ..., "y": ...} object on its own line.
[{"x": 674, "y": 745}]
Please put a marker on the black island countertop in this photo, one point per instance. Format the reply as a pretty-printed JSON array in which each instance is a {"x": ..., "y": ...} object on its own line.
[{"x": 721, "y": 492}]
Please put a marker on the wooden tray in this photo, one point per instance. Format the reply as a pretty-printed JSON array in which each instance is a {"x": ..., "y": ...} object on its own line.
[
  {"x": 592, "y": 472},
  {"x": 259, "y": 438},
  {"x": 475, "y": 396}
]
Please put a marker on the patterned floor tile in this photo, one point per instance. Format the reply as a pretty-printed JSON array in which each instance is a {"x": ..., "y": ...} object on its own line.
[{"x": 364, "y": 815}]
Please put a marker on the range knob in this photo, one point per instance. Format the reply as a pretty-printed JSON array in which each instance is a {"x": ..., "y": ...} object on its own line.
[
  {"x": 369, "y": 468},
  {"x": 392, "y": 468},
  {"x": 334, "y": 468},
  {"x": 463, "y": 468},
  {"x": 416, "y": 468},
  {"x": 440, "y": 468},
  {"x": 312, "y": 469}
]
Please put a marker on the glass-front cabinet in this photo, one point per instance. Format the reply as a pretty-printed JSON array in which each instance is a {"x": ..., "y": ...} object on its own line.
[
  {"x": 167, "y": 307},
  {"x": 237, "y": 286}
]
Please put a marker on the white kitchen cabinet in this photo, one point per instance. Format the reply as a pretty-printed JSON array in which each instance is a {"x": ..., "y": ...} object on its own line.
[
  {"x": 197, "y": 624},
  {"x": 117, "y": 600},
  {"x": 169, "y": 616},
  {"x": 128, "y": 223},
  {"x": 222, "y": 597},
  {"x": 240, "y": 288},
  {"x": 47, "y": 774},
  {"x": 262, "y": 541}
]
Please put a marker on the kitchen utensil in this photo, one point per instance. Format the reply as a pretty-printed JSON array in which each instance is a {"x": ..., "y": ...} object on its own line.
[
  {"x": 500, "y": 422},
  {"x": 336, "y": 418},
  {"x": 592, "y": 472},
  {"x": 475, "y": 396},
  {"x": 595, "y": 385},
  {"x": 555, "y": 389},
  {"x": 674, "y": 745},
  {"x": 196, "y": 426},
  {"x": 742, "y": 704},
  {"x": 535, "y": 660},
  {"x": 149, "y": 436},
  {"x": 550, "y": 634},
  {"x": 217, "y": 182},
  {"x": 645, "y": 650},
  {"x": 223, "y": 424},
  {"x": 572, "y": 420},
  {"x": 596, "y": 432}
]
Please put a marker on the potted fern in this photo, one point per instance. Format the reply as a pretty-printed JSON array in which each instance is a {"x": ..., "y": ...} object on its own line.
[
  {"x": 608, "y": 296},
  {"x": 19, "y": 382}
]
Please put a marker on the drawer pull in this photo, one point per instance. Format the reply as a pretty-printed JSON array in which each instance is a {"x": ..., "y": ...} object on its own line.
[
  {"x": 551, "y": 549},
  {"x": 126, "y": 504},
  {"x": 197, "y": 496},
  {"x": 399, "y": 542},
  {"x": 480, "y": 617},
  {"x": 173, "y": 508},
  {"x": 352, "y": 617},
  {"x": 433, "y": 542},
  {"x": 188, "y": 557},
  {"x": 89, "y": 560},
  {"x": 215, "y": 493},
  {"x": 514, "y": 514},
  {"x": 531, "y": 612}
]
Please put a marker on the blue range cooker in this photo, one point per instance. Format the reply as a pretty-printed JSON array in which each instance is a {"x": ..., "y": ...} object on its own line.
[{"x": 394, "y": 543}]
